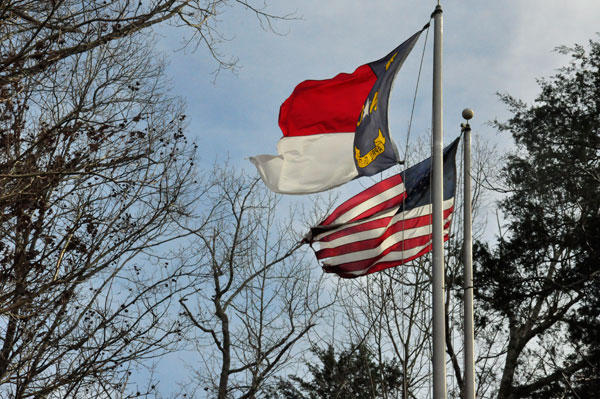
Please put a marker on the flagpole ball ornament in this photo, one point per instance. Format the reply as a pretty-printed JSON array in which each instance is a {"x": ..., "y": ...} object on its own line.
[{"x": 468, "y": 113}]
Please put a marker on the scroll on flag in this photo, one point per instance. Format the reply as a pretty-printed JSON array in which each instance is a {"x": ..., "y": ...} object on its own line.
[
  {"x": 386, "y": 225},
  {"x": 335, "y": 130}
]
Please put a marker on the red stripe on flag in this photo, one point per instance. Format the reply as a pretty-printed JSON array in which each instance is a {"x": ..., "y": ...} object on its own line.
[
  {"x": 377, "y": 267},
  {"x": 366, "y": 263},
  {"x": 326, "y": 106},
  {"x": 398, "y": 225},
  {"x": 370, "y": 225},
  {"x": 374, "y": 243},
  {"x": 367, "y": 195},
  {"x": 386, "y": 265},
  {"x": 348, "y": 270}
]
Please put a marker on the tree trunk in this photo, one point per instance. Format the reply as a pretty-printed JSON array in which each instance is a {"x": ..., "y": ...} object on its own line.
[
  {"x": 510, "y": 364},
  {"x": 226, "y": 351}
]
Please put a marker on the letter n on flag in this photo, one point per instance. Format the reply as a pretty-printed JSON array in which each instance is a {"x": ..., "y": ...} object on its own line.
[
  {"x": 335, "y": 130},
  {"x": 386, "y": 225}
]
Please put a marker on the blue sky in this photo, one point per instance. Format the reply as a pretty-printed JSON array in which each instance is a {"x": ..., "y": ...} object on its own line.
[{"x": 489, "y": 47}]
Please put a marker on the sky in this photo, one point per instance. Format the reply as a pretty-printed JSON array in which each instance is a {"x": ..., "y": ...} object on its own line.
[{"x": 490, "y": 47}]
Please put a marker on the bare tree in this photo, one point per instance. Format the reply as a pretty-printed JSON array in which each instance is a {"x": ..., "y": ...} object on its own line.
[
  {"x": 38, "y": 35},
  {"x": 390, "y": 313},
  {"x": 95, "y": 169},
  {"x": 96, "y": 176},
  {"x": 256, "y": 296}
]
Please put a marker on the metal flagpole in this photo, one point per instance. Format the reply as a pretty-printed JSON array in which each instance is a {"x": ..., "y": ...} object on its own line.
[
  {"x": 469, "y": 378},
  {"x": 438, "y": 323}
]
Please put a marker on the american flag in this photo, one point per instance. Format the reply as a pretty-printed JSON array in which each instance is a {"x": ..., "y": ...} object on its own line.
[{"x": 386, "y": 225}]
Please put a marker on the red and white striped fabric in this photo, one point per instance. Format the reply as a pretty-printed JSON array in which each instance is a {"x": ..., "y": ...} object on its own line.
[{"x": 386, "y": 225}]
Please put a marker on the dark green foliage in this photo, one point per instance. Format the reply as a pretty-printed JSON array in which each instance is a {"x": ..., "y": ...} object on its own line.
[
  {"x": 543, "y": 276},
  {"x": 352, "y": 374}
]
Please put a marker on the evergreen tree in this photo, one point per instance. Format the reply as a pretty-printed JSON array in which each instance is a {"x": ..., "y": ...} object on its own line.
[
  {"x": 539, "y": 288},
  {"x": 352, "y": 374}
]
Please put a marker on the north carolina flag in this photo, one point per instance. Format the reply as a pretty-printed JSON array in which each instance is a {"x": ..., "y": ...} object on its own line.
[
  {"x": 335, "y": 130},
  {"x": 386, "y": 225}
]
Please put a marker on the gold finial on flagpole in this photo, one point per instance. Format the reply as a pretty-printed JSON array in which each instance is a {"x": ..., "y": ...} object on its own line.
[{"x": 468, "y": 113}]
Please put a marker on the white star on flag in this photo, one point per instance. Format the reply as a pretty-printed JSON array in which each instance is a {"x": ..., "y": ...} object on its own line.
[{"x": 366, "y": 109}]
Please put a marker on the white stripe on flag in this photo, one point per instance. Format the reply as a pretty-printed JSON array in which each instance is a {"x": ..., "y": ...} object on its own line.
[
  {"x": 370, "y": 203},
  {"x": 402, "y": 235},
  {"x": 308, "y": 164},
  {"x": 364, "y": 235},
  {"x": 385, "y": 214},
  {"x": 399, "y": 256}
]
